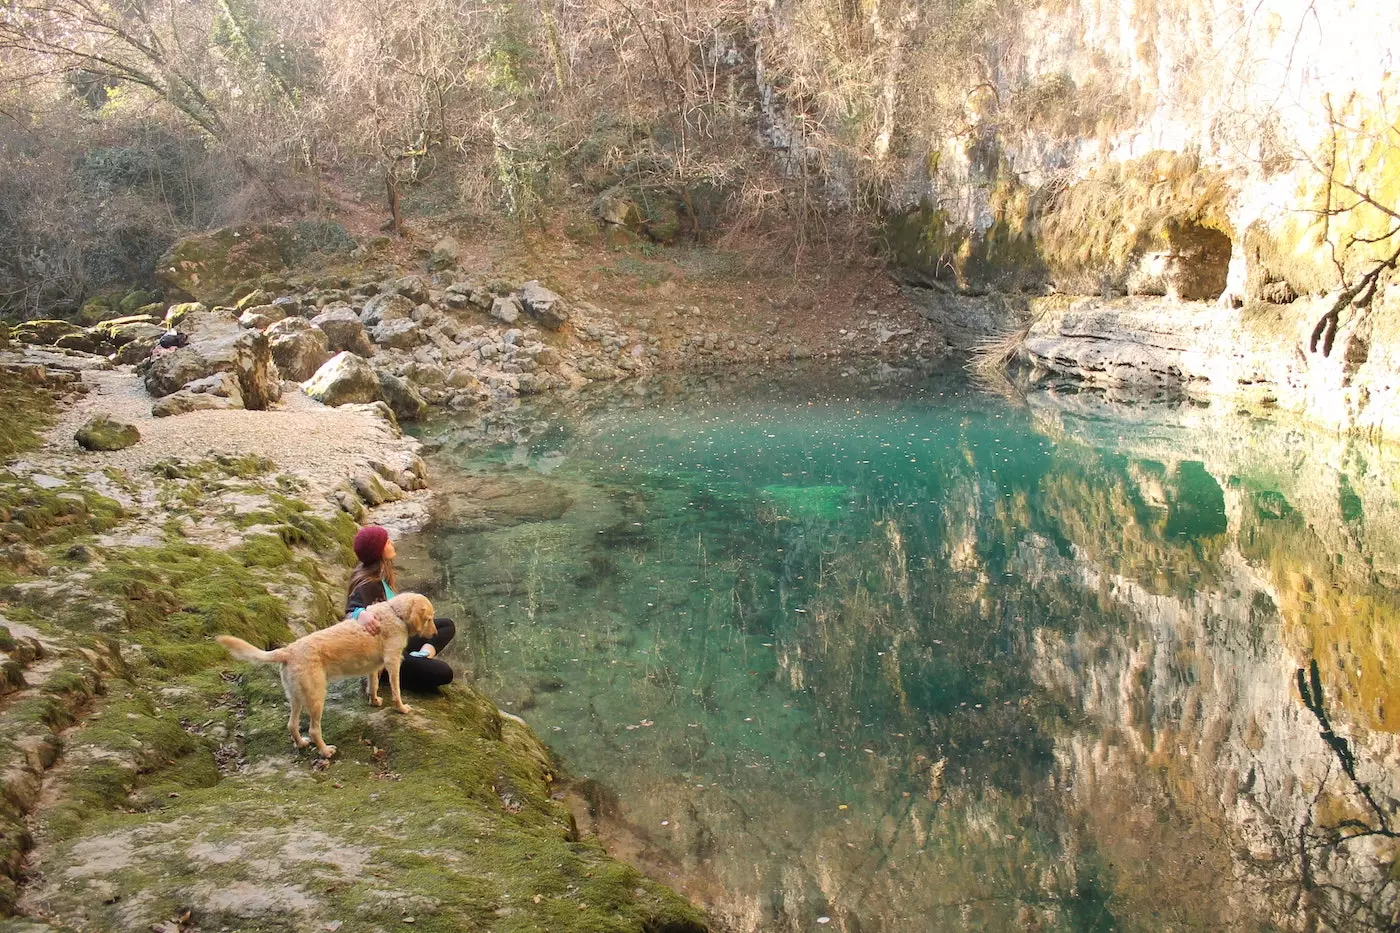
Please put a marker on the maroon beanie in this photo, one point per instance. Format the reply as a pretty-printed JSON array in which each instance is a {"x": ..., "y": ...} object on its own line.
[{"x": 369, "y": 543}]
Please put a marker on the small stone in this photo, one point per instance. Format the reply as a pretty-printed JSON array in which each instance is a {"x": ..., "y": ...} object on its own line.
[{"x": 506, "y": 309}]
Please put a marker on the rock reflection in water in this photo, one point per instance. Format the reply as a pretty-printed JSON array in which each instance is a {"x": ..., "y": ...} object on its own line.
[{"x": 907, "y": 656}]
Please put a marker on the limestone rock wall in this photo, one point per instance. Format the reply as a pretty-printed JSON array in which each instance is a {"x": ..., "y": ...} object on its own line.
[
  {"x": 1260, "y": 355},
  {"x": 1148, "y": 125}
]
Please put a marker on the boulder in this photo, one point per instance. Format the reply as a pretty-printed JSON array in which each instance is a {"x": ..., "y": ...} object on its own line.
[
  {"x": 345, "y": 378},
  {"x": 220, "y": 385},
  {"x": 402, "y": 398},
  {"x": 102, "y": 433},
  {"x": 99, "y": 308},
  {"x": 134, "y": 338},
  {"x": 252, "y": 300},
  {"x": 388, "y": 307},
  {"x": 446, "y": 254},
  {"x": 210, "y": 267},
  {"x": 288, "y": 305},
  {"x": 265, "y": 312},
  {"x": 398, "y": 334},
  {"x": 218, "y": 345},
  {"x": 544, "y": 305},
  {"x": 659, "y": 212},
  {"x": 176, "y": 314},
  {"x": 298, "y": 348},
  {"x": 343, "y": 331},
  {"x": 142, "y": 332},
  {"x": 412, "y": 287},
  {"x": 86, "y": 341},
  {"x": 507, "y": 309},
  {"x": 135, "y": 300},
  {"x": 125, "y": 329},
  {"x": 462, "y": 379},
  {"x": 43, "y": 333},
  {"x": 184, "y": 402}
]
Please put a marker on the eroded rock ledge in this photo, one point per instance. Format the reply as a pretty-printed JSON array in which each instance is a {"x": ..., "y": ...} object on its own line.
[{"x": 1261, "y": 355}]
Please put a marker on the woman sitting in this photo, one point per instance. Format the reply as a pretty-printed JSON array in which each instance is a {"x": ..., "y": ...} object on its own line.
[{"x": 372, "y": 582}]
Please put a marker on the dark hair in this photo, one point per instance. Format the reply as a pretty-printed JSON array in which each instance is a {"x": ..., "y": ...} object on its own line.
[{"x": 381, "y": 571}]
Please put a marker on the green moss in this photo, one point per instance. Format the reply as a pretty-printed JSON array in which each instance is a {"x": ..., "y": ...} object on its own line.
[
  {"x": 26, "y": 411},
  {"x": 246, "y": 466},
  {"x": 53, "y": 516},
  {"x": 295, "y": 524},
  {"x": 175, "y": 598},
  {"x": 446, "y": 849}
]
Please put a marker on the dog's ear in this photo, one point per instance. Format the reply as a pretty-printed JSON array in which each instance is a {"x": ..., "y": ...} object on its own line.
[{"x": 423, "y": 614}]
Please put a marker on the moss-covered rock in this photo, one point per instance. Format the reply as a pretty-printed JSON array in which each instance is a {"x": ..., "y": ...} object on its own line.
[
  {"x": 44, "y": 332},
  {"x": 133, "y": 301},
  {"x": 226, "y": 265},
  {"x": 102, "y": 433},
  {"x": 100, "y": 308},
  {"x": 176, "y": 314},
  {"x": 211, "y": 267}
]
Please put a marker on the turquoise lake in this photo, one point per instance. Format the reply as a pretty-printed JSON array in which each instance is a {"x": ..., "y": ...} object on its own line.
[{"x": 891, "y": 652}]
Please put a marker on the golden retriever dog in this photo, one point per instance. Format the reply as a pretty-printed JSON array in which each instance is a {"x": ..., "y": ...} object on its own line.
[{"x": 346, "y": 649}]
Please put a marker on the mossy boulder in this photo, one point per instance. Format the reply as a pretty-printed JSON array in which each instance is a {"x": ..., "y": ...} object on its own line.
[
  {"x": 662, "y": 213},
  {"x": 102, "y": 433},
  {"x": 211, "y": 267},
  {"x": 176, "y": 314},
  {"x": 44, "y": 333},
  {"x": 84, "y": 341},
  {"x": 134, "y": 300},
  {"x": 653, "y": 212},
  {"x": 100, "y": 308}
]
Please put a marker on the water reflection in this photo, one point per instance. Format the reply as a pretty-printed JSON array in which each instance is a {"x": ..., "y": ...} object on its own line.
[{"x": 902, "y": 655}]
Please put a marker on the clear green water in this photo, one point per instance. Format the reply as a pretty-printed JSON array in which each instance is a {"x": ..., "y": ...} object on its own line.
[{"x": 887, "y": 654}]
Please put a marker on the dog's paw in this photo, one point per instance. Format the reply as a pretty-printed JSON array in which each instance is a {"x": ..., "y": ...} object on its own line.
[
  {"x": 302, "y": 741},
  {"x": 404, "y": 708},
  {"x": 376, "y": 701},
  {"x": 328, "y": 751}
]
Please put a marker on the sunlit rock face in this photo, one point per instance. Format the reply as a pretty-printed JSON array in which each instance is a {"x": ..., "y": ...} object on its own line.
[
  {"x": 1262, "y": 356},
  {"x": 1190, "y": 120},
  {"x": 944, "y": 661}
]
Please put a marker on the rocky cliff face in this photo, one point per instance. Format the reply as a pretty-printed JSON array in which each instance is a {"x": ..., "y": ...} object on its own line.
[
  {"x": 1119, "y": 144},
  {"x": 1216, "y": 154}
]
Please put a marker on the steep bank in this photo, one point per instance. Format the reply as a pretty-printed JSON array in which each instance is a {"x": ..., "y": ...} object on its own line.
[{"x": 148, "y": 780}]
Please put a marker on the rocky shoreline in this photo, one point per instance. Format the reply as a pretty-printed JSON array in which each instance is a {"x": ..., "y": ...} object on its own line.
[{"x": 147, "y": 780}]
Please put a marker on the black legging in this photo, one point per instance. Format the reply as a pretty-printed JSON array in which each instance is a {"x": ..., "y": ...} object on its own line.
[{"x": 427, "y": 673}]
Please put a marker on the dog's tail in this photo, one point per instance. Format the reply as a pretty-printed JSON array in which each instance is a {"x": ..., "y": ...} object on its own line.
[{"x": 243, "y": 651}]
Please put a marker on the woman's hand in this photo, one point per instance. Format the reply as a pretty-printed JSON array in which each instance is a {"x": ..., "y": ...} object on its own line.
[{"x": 370, "y": 622}]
